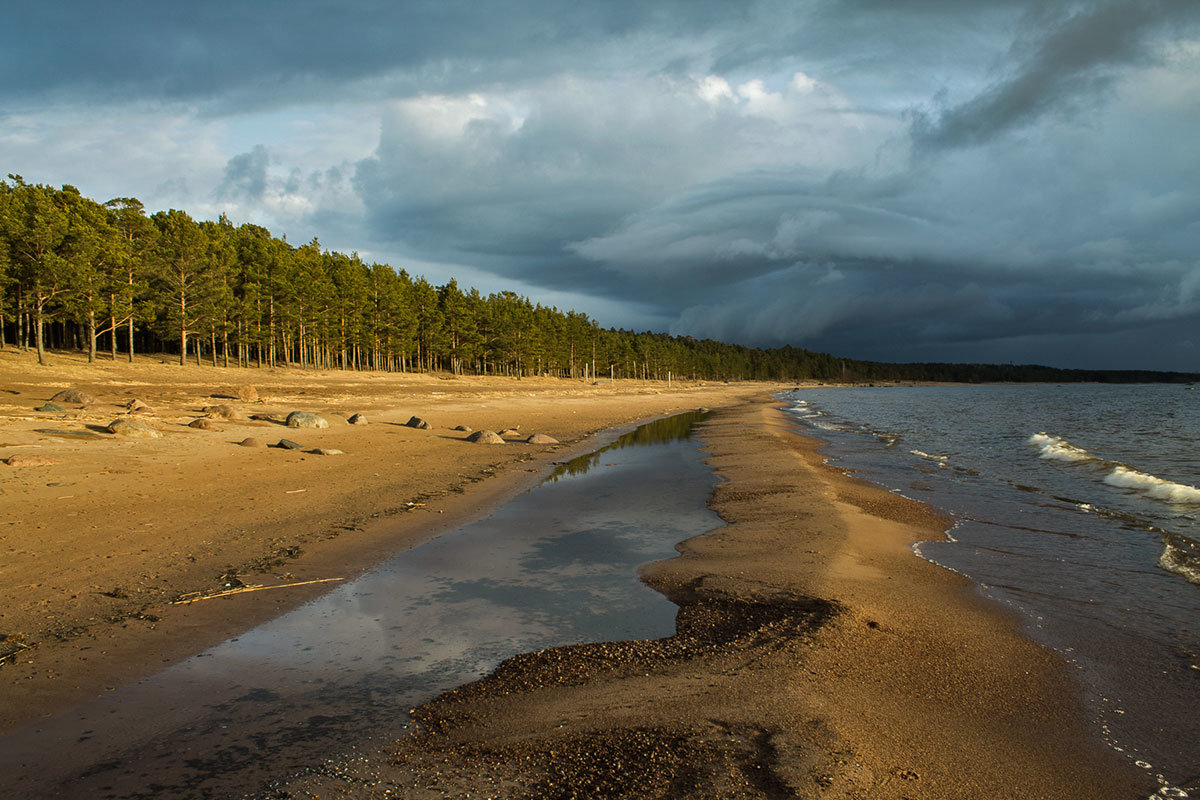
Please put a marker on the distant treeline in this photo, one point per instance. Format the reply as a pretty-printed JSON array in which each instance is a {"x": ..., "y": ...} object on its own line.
[{"x": 79, "y": 274}]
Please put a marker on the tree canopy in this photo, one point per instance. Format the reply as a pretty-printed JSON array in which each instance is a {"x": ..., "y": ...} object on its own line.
[{"x": 74, "y": 271}]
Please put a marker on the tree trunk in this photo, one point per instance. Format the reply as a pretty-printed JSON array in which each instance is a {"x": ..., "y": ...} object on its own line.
[
  {"x": 112, "y": 326},
  {"x": 41, "y": 349},
  {"x": 91, "y": 335}
]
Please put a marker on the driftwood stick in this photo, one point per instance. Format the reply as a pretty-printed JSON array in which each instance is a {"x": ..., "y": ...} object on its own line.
[{"x": 253, "y": 588}]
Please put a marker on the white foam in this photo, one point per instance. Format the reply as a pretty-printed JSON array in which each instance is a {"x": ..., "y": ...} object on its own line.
[
  {"x": 1053, "y": 447},
  {"x": 923, "y": 454},
  {"x": 1172, "y": 560},
  {"x": 1157, "y": 488}
]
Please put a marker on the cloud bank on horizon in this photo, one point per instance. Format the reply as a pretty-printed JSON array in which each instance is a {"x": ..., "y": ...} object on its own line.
[{"x": 1001, "y": 180}]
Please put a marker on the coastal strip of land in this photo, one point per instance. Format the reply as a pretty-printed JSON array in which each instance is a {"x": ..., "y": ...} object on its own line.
[
  {"x": 121, "y": 554},
  {"x": 814, "y": 656}
]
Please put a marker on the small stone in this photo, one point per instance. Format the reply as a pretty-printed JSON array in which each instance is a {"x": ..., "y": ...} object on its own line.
[
  {"x": 326, "y": 451},
  {"x": 31, "y": 460},
  {"x": 247, "y": 394},
  {"x": 73, "y": 396},
  {"x": 204, "y": 424},
  {"x": 357, "y": 419},
  {"x": 222, "y": 411},
  {"x": 463, "y": 428},
  {"x": 127, "y": 426},
  {"x": 485, "y": 437},
  {"x": 288, "y": 444},
  {"x": 51, "y": 408},
  {"x": 417, "y": 422},
  {"x": 250, "y": 441},
  {"x": 306, "y": 419},
  {"x": 541, "y": 438}
]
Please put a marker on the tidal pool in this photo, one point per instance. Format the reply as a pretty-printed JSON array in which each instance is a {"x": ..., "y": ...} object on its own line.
[{"x": 554, "y": 566}]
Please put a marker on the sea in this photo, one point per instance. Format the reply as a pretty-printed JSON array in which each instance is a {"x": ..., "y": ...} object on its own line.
[{"x": 1075, "y": 506}]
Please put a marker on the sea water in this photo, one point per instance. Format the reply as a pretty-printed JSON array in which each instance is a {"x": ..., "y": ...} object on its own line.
[{"x": 1076, "y": 506}]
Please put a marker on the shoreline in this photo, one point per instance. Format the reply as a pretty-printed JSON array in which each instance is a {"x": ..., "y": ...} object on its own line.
[
  {"x": 815, "y": 656},
  {"x": 97, "y": 545}
]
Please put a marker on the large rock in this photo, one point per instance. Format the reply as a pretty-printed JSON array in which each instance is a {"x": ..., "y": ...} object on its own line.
[
  {"x": 417, "y": 422},
  {"x": 541, "y": 438},
  {"x": 127, "y": 426},
  {"x": 250, "y": 441},
  {"x": 247, "y": 394},
  {"x": 73, "y": 396},
  {"x": 306, "y": 419},
  {"x": 51, "y": 408},
  {"x": 463, "y": 428},
  {"x": 357, "y": 419},
  {"x": 288, "y": 444},
  {"x": 485, "y": 437},
  {"x": 222, "y": 411},
  {"x": 136, "y": 406},
  {"x": 31, "y": 460},
  {"x": 204, "y": 424}
]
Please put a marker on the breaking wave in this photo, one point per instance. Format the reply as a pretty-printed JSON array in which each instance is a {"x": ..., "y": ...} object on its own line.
[
  {"x": 930, "y": 457},
  {"x": 1181, "y": 555},
  {"x": 1154, "y": 487},
  {"x": 1053, "y": 447}
]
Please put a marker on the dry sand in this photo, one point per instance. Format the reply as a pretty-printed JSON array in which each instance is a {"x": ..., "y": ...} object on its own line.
[{"x": 815, "y": 656}]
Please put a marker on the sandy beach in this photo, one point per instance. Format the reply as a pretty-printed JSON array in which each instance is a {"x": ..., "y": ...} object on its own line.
[
  {"x": 815, "y": 655},
  {"x": 98, "y": 543}
]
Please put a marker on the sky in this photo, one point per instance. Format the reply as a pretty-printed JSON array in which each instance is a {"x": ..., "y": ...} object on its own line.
[{"x": 930, "y": 180}]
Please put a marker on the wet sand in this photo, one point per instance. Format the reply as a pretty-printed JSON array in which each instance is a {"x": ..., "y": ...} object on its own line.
[
  {"x": 95, "y": 547},
  {"x": 814, "y": 656}
]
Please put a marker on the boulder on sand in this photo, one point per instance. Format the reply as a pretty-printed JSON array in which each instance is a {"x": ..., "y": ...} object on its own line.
[
  {"x": 136, "y": 406},
  {"x": 250, "y": 441},
  {"x": 417, "y": 422},
  {"x": 463, "y": 428},
  {"x": 247, "y": 394},
  {"x": 288, "y": 444},
  {"x": 510, "y": 432},
  {"x": 51, "y": 408},
  {"x": 222, "y": 411},
  {"x": 357, "y": 419},
  {"x": 204, "y": 424},
  {"x": 326, "y": 451},
  {"x": 485, "y": 437},
  {"x": 541, "y": 438},
  {"x": 73, "y": 396},
  {"x": 306, "y": 419},
  {"x": 127, "y": 426}
]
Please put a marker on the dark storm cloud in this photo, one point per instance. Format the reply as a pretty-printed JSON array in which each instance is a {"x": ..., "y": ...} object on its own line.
[
  {"x": 278, "y": 52},
  {"x": 1064, "y": 56}
]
